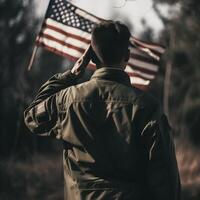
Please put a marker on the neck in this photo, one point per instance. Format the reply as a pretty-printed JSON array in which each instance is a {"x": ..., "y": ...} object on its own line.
[{"x": 113, "y": 66}]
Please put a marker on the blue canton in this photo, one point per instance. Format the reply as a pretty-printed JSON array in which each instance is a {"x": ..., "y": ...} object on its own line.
[{"x": 64, "y": 12}]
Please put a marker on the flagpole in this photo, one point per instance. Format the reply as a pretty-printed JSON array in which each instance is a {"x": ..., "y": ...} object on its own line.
[
  {"x": 167, "y": 87},
  {"x": 168, "y": 72},
  {"x": 32, "y": 57},
  {"x": 35, "y": 49}
]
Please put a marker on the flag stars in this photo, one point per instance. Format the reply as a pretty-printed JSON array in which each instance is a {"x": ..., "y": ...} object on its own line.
[
  {"x": 72, "y": 8},
  {"x": 71, "y": 17},
  {"x": 64, "y": 12},
  {"x": 88, "y": 26}
]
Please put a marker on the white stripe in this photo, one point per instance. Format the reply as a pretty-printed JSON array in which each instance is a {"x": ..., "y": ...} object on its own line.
[
  {"x": 139, "y": 81},
  {"x": 150, "y": 53},
  {"x": 66, "y": 39},
  {"x": 59, "y": 47},
  {"x": 75, "y": 53},
  {"x": 69, "y": 51},
  {"x": 145, "y": 52},
  {"x": 87, "y": 16},
  {"x": 68, "y": 29},
  {"x": 130, "y": 70},
  {"x": 139, "y": 52},
  {"x": 151, "y": 46},
  {"x": 144, "y": 65}
]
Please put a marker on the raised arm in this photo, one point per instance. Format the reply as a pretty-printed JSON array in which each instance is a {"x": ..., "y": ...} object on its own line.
[{"x": 42, "y": 116}]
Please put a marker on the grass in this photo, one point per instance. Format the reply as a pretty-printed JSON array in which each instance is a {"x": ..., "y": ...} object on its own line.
[
  {"x": 41, "y": 176},
  {"x": 188, "y": 158}
]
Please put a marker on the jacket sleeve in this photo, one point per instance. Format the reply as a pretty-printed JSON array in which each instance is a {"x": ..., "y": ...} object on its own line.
[
  {"x": 162, "y": 171},
  {"x": 41, "y": 117}
]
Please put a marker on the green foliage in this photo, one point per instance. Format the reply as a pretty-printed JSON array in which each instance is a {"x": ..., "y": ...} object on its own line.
[
  {"x": 19, "y": 27},
  {"x": 181, "y": 36},
  {"x": 189, "y": 169},
  {"x": 39, "y": 177}
]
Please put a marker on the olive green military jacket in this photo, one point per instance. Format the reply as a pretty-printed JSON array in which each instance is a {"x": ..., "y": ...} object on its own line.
[{"x": 117, "y": 141}]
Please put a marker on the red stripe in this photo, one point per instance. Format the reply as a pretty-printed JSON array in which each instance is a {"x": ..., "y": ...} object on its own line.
[
  {"x": 91, "y": 66},
  {"x": 141, "y": 87},
  {"x": 137, "y": 75},
  {"x": 81, "y": 50},
  {"x": 153, "y": 50},
  {"x": 73, "y": 58},
  {"x": 146, "y": 71},
  {"x": 45, "y": 25},
  {"x": 144, "y": 59},
  {"x": 148, "y": 43},
  {"x": 54, "y": 50}
]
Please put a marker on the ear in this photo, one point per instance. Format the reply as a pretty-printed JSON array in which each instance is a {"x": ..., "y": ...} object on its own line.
[{"x": 127, "y": 56}]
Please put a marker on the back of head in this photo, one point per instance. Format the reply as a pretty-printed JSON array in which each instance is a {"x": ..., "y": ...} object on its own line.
[{"x": 110, "y": 42}]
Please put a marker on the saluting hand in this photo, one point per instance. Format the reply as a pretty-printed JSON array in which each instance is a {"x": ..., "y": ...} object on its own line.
[{"x": 81, "y": 64}]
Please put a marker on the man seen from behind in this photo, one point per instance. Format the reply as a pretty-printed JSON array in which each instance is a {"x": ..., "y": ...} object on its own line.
[{"x": 117, "y": 141}]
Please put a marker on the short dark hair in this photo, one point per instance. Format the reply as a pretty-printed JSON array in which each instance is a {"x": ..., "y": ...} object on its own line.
[{"x": 110, "y": 41}]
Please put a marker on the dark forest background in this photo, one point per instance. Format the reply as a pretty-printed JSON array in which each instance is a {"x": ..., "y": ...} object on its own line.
[{"x": 31, "y": 166}]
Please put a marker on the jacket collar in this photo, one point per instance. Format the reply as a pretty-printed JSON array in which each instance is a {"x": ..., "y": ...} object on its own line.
[{"x": 112, "y": 74}]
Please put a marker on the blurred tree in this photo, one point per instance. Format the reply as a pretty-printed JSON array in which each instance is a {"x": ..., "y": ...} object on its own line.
[
  {"x": 19, "y": 26},
  {"x": 181, "y": 36}
]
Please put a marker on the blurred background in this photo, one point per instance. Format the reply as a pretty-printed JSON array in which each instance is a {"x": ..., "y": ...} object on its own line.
[{"x": 31, "y": 166}]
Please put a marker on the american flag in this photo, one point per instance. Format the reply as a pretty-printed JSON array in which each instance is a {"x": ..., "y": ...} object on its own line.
[{"x": 66, "y": 31}]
